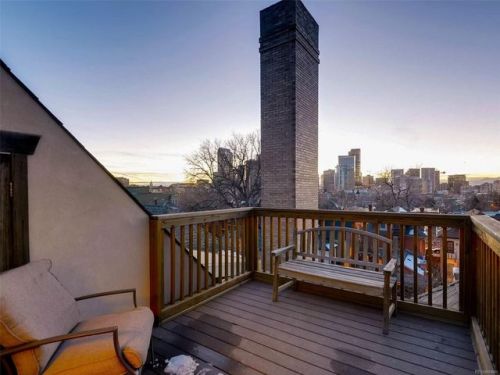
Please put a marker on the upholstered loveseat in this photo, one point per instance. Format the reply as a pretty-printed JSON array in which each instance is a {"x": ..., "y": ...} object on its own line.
[{"x": 41, "y": 328}]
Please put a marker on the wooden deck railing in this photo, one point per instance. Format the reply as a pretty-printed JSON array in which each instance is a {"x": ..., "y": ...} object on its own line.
[
  {"x": 419, "y": 239},
  {"x": 486, "y": 255},
  {"x": 195, "y": 256}
]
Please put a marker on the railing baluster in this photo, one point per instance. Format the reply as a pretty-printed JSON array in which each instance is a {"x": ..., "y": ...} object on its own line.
[
  {"x": 244, "y": 243},
  {"x": 181, "y": 262},
  {"x": 461, "y": 267},
  {"x": 365, "y": 245},
  {"x": 415, "y": 264},
  {"x": 402, "y": 261},
  {"x": 198, "y": 258},
  {"x": 342, "y": 242},
  {"x": 264, "y": 255},
  {"x": 388, "y": 254},
  {"x": 303, "y": 238},
  {"x": 313, "y": 238},
  {"x": 231, "y": 225},
  {"x": 271, "y": 242},
  {"x": 237, "y": 228},
  {"x": 255, "y": 247},
  {"x": 444, "y": 264},
  {"x": 191, "y": 260},
  {"x": 207, "y": 253},
  {"x": 214, "y": 257},
  {"x": 226, "y": 250},
  {"x": 429, "y": 265},
  {"x": 279, "y": 231},
  {"x": 156, "y": 265},
  {"x": 220, "y": 253},
  {"x": 287, "y": 235},
  {"x": 173, "y": 250},
  {"x": 323, "y": 241}
]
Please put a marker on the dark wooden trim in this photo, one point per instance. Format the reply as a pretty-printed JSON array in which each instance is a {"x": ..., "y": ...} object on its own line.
[
  {"x": 5, "y": 213},
  {"x": 20, "y": 211},
  {"x": 14, "y": 216},
  {"x": 18, "y": 143}
]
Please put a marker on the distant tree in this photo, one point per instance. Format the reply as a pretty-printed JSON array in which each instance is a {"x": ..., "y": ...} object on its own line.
[
  {"x": 392, "y": 193},
  {"x": 231, "y": 170}
]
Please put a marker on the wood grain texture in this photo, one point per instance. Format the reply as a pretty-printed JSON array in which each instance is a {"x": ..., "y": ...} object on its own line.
[{"x": 243, "y": 332}]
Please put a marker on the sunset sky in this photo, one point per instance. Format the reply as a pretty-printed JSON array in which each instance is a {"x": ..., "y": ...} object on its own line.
[{"x": 141, "y": 84}]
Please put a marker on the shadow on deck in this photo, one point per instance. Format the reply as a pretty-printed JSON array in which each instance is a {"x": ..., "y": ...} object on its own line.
[{"x": 243, "y": 332}]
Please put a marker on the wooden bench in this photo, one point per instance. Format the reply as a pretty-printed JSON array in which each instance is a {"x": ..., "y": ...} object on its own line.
[{"x": 340, "y": 257}]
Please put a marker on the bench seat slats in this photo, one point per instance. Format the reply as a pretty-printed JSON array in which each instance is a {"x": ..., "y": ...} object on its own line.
[
  {"x": 313, "y": 264},
  {"x": 335, "y": 275},
  {"x": 366, "y": 273}
]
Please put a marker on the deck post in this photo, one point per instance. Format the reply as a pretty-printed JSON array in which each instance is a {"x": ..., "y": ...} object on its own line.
[{"x": 275, "y": 277}]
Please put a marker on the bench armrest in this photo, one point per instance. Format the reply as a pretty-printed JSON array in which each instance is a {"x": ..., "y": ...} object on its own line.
[
  {"x": 390, "y": 267},
  {"x": 282, "y": 250},
  {"x": 109, "y": 293}
]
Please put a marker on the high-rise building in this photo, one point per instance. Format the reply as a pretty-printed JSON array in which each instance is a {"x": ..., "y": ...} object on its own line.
[
  {"x": 428, "y": 180},
  {"x": 496, "y": 186},
  {"x": 413, "y": 172},
  {"x": 368, "y": 180},
  {"x": 395, "y": 173},
  {"x": 345, "y": 172},
  {"x": 356, "y": 152},
  {"x": 396, "y": 177},
  {"x": 224, "y": 161},
  {"x": 328, "y": 181},
  {"x": 289, "y": 61},
  {"x": 456, "y": 182},
  {"x": 437, "y": 179}
]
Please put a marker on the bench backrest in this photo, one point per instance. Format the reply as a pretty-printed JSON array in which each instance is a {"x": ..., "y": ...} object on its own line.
[{"x": 343, "y": 245}]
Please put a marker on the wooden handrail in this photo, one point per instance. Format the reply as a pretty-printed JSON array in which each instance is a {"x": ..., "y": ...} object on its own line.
[
  {"x": 486, "y": 292},
  {"x": 349, "y": 230},
  {"x": 416, "y": 218},
  {"x": 203, "y": 216},
  {"x": 488, "y": 230}
]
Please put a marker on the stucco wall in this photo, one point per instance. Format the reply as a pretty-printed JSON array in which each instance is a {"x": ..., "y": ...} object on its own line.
[{"x": 94, "y": 233}]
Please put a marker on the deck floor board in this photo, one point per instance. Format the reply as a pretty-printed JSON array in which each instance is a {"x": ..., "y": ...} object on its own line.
[{"x": 243, "y": 332}]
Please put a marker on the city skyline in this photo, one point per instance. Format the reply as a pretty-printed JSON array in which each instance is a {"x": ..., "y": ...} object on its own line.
[{"x": 152, "y": 109}]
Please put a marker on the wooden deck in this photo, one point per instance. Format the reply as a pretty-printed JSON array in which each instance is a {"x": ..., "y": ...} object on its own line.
[{"x": 243, "y": 332}]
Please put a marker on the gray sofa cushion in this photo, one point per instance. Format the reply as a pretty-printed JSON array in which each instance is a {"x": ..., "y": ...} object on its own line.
[{"x": 34, "y": 306}]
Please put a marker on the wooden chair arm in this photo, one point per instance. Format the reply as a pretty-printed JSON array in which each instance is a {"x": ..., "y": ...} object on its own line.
[
  {"x": 390, "y": 267},
  {"x": 282, "y": 250},
  {"x": 109, "y": 293}
]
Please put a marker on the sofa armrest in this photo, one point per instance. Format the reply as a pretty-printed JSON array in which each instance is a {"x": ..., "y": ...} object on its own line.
[
  {"x": 71, "y": 336},
  {"x": 109, "y": 293},
  {"x": 50, "y": 340}
]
